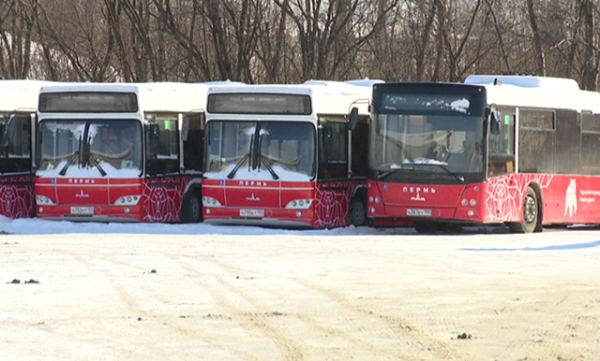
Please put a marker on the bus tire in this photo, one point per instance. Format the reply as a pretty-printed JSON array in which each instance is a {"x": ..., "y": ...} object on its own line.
[
  {"x": 357, "y": 212},
  {"x": 530, "y": 221},
  {"x": 192, "y": 209}
]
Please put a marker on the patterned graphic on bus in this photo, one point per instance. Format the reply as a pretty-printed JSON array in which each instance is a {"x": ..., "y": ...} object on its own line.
[
  {"x": 332, "y": 201},
  {"x": 504, "y": 195},
  {"x": 16, "y": 197},
  {"x": 162, "y": 199}
]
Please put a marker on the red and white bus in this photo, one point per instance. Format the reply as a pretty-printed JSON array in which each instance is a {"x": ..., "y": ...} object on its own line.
[
  {"x": 18, "y": 102},
  {"x": 286, "y": 155},
  {"x": 515, "y": 150},
  {"x": 120, "y": 152}
]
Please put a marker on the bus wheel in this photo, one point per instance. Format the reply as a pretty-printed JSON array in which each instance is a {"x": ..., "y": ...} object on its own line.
[
  {"x": 531, "y": 214},
  {"x": 192, "y": 209},
  {"x": 357, "y": 212}
]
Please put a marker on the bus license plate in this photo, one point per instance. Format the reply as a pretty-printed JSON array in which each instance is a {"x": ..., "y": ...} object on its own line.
[
  {"x": 418, "y": 212},
  {"x": 252, "y": 212},
  {"x": 82, "y": 210}
]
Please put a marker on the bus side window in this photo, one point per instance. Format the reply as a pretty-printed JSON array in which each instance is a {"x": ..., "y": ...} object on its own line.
[
  {"x": 501, "y": 145},
  {"x": 333, "y": 150}
]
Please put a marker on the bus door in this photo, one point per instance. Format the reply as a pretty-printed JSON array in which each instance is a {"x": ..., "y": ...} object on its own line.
[
  {"x": 16, "y": 180},
  {"x": 163, "y": 186},
  {"x": 333, "y": 188}
]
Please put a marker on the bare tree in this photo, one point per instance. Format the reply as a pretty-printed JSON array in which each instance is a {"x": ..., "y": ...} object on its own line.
[
  {"x": 17, "y": 19},
  {"x": 323, "y": 28},
  {"x": 537, "y": 40},
  {"x": 590, "y": 68}
]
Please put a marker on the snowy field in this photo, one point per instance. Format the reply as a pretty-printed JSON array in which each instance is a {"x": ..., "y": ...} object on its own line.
[{"x": 93, "y": 291}]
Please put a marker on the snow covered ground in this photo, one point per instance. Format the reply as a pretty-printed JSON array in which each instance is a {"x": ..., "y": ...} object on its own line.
[
  {"x": 38, "y": 226},
  {"x": 93, "y": 291}
]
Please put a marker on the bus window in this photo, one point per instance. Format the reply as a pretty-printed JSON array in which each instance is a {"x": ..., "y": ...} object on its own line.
[
  {"x": 15, "y": 138},
  {"x": 536, "y": 141},
  {"x": 501, "y": 145},
  {"x": 333, "y": 149},
  {"x": 162, "y": 146}
]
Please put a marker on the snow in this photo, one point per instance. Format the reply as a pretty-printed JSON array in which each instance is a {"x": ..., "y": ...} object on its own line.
[
  {"x": 86, "y": 291},
  {"x": 39, "y": 226}
]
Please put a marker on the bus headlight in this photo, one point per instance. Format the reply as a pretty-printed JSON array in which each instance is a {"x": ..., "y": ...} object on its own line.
[
  {"x": 299, "y": 204},
  {"x": 128, "y": 200},
  {"x": 43, "y": 200},
  {"x": 210, "y": 202}
]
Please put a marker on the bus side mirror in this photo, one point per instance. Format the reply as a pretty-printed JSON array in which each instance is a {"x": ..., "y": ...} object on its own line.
[
  {"x": 495, "y": 124},
  {"x": 353, "y": 118}
]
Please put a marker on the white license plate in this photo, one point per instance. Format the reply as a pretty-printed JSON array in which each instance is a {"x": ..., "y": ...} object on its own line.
[
  {"x": 418, "y": 212},
  {"x": 252, "y": 212},
  {"x": 82, "y": 210}
]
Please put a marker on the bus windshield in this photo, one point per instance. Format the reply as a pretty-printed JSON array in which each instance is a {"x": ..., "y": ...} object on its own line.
[
  {"x": 260, "y": 150},
  {"x": 416, "y": 147},
  {"x": 90, "y": 148}
]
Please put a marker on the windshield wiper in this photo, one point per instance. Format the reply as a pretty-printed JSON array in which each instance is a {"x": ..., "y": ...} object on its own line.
[
  {"x": 403, "y": 167},
  {"x": 70, "y": 161},
  {"x": 72, "y": 158},
  {"x": 384, "y": 175},
  {"x": 459, "y": 177},
  {"x": 265, "y": 160},
  {"x": 94, "y": 162},
  {"x": 241, "y": 161}
]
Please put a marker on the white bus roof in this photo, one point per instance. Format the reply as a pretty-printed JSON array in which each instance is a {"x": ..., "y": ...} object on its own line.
[
  {"x": 327, "y": 97},
  {"x": 20, "y": 94},
  {"x": 157, "y": 96},
  {"x": 525, "y": 81},
  {"x": 556, "y": 93}
]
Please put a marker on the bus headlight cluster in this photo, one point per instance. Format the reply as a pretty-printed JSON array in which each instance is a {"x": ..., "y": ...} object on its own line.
[
  {"x": 465, "y": 202},
  {"x": 128, "y": 200},
  {"x": 43, "y": 200},
  {"x": 299, "y": 204},
  {"x": 374, "y": 199},
  {"x": 210, "y": 202}
]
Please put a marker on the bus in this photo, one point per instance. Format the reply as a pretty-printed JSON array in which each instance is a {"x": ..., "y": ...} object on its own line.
[
  {"x": 18, "y": 102},
  {"x": 286, "y": 155},
  {"x": 120, "y": 152},
  {"x": 519, "y": 151}
]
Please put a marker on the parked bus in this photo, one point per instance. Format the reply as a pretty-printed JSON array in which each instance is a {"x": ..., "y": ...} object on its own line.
[
  {"x": 286, "y": 155},
  {"x": 120, "y": 152},
  {"x": 515, "y": 150},
  {"x": 18, "y": 102}
]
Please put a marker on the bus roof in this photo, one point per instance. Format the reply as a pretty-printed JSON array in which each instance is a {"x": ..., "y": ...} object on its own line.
[
  {"x": 547, "y": 95},
  {"x": 328, "y": 97},
  {"x": 20, "y": 94},
  {"x": 525, "y": 81},
  {"x": 157, "y": 96}
]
